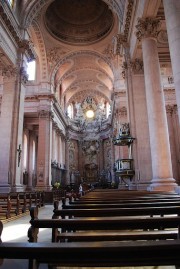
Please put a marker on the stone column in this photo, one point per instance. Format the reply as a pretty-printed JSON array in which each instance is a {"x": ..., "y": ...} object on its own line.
[
  {"x": 31, "y": 160},
  {"x": 11, "y": 122},
  {"x": 53, "y": 143},
  {"x": 172, "y": 11},
  {"x": 64, "y": 148},
  {"x": 59, "y": 146},
  {"x": 131, "y": 112},
  {"x": 101, "y": 155},
  {"x": 112, "y": 160},
  {"x": 44, "y": 154},
  {"x": 141, "y": 144},
  {"x": 6, "y": 123},
  {"x": 172, "y": 134},
  {"x": 18, "y": 123},
  {"x": 159, "y": 137},
  {"x": 67, "y": 160}
]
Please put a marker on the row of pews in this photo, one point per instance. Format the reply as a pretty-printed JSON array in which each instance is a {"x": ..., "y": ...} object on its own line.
[
  {"x": 16, "y": 203},
  {"x": 105, "y": 228}
]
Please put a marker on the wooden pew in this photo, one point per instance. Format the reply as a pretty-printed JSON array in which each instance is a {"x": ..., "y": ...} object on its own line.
[
  {"x": 122, "y": 211},
  {"x": 111, "y": 254},
  {"x": 130, "y": 204},
  {"x": 29, "y": 199},
  {"x": 102, "y": 212},
  {"x": 5, "y": 205},
  {"x": 15, "y": 203},
  {"x": 136, "y": 200},
  {"x": 126, "y": 194},
  {"x": 126, "y": 197},
  {"x": 40, "y": 198},
  {"x": 99, "y": 224},
  {"x": 113, "y": 198}
]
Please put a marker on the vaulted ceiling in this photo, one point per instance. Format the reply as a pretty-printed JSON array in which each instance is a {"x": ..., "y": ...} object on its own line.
[
  {"x": 74, "y": 43},
  {"x": 76, "y": 37}
]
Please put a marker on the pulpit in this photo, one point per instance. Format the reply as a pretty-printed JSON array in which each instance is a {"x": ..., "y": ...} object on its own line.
[{"x": 124, "y": 167}]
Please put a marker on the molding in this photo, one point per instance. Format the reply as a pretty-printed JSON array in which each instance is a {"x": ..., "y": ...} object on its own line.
[
  {"x": 86, "y": 93},
  {"x": 128, "y": 19},
  {"x": 42, "y": 49},
  {"x": 73, "y": 70},
  {"x": 77, "y": 53}
]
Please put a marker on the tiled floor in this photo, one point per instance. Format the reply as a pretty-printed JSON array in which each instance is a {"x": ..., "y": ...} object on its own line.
[{"x": 16, "y": 231}]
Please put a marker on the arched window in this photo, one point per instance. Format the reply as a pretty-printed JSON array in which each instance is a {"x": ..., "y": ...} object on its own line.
[
  {"x": 31, "y": 70},
  {"x": 70, "y": 111},
  {"x": 11, "y": 3},
  {"x": 108, "y": 109}
]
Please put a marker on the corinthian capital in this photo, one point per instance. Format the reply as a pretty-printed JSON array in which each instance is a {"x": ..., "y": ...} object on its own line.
[{"x": 147, "y": 27}]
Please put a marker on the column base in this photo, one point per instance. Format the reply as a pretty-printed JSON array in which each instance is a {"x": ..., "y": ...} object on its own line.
[
  {"x": 165, "y": 184},
  {"x": 18, "y": 188},
  {"x": 5, "y": 188}
]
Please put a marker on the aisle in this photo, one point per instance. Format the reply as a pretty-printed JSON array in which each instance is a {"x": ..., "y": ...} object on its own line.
[{"x": 16, "y": 230}]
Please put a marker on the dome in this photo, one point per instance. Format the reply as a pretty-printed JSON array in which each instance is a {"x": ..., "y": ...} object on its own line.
[{"x": 80, "y": 22}]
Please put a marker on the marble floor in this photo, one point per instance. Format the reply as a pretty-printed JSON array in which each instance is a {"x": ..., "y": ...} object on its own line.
[{"x": 16, "y": 231}]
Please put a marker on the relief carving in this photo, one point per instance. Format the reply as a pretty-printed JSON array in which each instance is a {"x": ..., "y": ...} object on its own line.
[
  {"x": 9, "y": 72},
  {"x": 119, "y": 41},
  {"x": 44, "y": 114},
  {"x": 169, "y": 109},
  {"x": 162, "y": 37},
  {"x": 54, "y": 54},
  {"x": 137, "y": 66}
]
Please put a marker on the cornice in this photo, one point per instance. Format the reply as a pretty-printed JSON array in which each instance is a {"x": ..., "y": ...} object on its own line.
[
  {"x": 59, "y": 112},
  {"x": 169, "y": 90},
  {"x": 38, "y": 97},
  {"x": 84, "y": 94},
  {"x": 22, "y": 44},
  {"x": 116, "y": 6}
]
